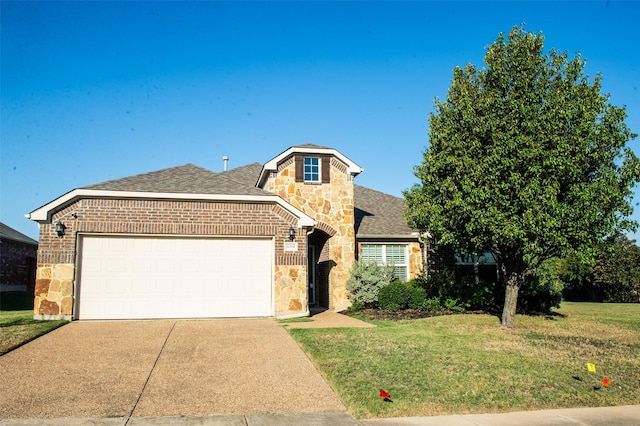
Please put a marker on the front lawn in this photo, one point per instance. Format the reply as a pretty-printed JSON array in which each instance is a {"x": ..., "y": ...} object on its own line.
[
  {"x": 470, "y": 364},
  {"x": 16, "y": 321}
]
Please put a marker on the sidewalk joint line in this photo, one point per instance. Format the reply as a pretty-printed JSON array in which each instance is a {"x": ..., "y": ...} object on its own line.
[{"x": 146, "y": 382}]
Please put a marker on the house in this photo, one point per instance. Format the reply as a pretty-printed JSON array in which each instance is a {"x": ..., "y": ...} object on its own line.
[
  {"x": 273, "y": 239},
  {"x": 17, "y": 260}
]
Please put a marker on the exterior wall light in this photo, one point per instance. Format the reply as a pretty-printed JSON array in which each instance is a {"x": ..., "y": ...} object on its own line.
[
  {"x": 292, "y": 233},
  {"x": 60, "y": 228}
]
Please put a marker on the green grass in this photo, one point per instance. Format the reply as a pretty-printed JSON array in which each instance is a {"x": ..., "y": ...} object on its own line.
[
  {"x": 470, "y": 364},
  {"x": 17, "y": 325}
]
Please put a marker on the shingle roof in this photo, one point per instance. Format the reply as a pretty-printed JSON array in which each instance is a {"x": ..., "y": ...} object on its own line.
[
  {"x": 376, "y": 213},
  {"x": 187, "y": 179},
  {"x": 247, "y": 175},
  {"x": 379, "y": 214},
  {"x": 8, "y": 233},
  {"x": 311, "y": 145}
]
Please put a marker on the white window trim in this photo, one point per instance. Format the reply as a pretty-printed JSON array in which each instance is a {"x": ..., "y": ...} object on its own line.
[
  {"x": 319, "y": 166},
  {"x": 384, "y": 255}
]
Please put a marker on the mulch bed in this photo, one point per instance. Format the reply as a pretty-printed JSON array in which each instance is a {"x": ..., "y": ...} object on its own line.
[{"x": 406, "y": 314}]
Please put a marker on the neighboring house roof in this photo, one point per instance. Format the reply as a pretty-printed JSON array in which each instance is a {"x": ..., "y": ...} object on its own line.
[
  {"x": 8, "y": 233},
  {"x": 379, "y": 215}
]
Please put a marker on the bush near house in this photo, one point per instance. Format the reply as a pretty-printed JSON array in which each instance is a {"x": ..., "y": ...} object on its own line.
[
  {"x": 394, "y": 296},
  {"x": 454, "y": 291},
  {"x": 365, "y": 282}
]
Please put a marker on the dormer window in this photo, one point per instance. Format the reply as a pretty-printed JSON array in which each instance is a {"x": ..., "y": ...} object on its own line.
[{"x": 311, "y": 169}]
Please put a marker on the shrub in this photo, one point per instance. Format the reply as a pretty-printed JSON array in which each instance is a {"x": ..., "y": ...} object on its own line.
[
  {"x": 394, "y": 296},
  {"x": 355, "y": 307},
  {"x": 432, "y": 305},
  {"x": 453, "y": 305},
  {"x": 417, "y": 296},
  {"x": 461, "y": 285},
  {"x": 437, "y": 284},
  {"x": 366, "y": 280}
]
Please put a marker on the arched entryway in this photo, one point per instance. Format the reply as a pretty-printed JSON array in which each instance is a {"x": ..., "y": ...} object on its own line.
[{"x": 318, "y": 268}]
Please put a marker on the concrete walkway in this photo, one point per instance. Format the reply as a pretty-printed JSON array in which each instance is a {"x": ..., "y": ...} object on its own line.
[
  {"x": 328, "y": 319},
  {"x": 605, "y": 416},
  {"x": 628, "y": 415}
]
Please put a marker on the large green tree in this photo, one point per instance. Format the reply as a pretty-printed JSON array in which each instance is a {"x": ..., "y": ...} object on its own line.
[
  {"x": 527, "y": 159},
  {"x": 617, "y": 270}
]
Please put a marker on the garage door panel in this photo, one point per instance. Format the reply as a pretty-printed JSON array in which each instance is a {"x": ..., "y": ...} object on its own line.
[{"x": 142, "y": 277}]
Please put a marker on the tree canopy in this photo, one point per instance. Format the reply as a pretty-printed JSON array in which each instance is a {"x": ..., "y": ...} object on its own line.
[
  {"x": 527, "y": 159},
  {"x": 616, "y": 271}
]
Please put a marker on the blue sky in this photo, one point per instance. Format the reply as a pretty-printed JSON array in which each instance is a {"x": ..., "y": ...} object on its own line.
[{"x": 92, "y": 91}]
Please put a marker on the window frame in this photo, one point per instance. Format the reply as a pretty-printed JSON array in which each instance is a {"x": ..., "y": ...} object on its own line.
[
  {"x": 384, "y": 257},
  {"x": 312, "y": 172}
]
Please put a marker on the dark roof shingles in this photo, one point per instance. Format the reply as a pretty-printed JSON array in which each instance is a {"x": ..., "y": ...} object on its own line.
[
  {"x": 187, "y": 179},
  {"x": 377, "y": 213},
  {"x": 8, "y": 233}
]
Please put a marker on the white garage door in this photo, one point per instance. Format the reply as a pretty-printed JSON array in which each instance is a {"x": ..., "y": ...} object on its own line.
[{"x": 143, "y": 277}]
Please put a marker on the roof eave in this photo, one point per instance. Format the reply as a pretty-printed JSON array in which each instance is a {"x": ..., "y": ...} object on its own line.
[
  {"x": 372, "y": 237},
  {"x": 43, "y": 214}
]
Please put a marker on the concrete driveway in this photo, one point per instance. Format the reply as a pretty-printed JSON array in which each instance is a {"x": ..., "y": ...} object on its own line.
[{"x": 162, "y": 368}]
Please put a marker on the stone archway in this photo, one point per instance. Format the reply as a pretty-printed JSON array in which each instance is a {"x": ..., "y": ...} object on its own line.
[{"x": 319, "y": 267}]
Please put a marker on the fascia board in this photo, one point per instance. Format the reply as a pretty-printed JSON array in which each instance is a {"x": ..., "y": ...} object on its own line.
[
  {"x": 272, "y": 164},
  {"x": 374, "y": 237},
  {"x": 42, "y": 214}
]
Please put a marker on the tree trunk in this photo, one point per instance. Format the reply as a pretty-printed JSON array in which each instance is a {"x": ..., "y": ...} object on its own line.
[
  {"x": 510, "y": 302},
  {"x": 513, "y": 272}
]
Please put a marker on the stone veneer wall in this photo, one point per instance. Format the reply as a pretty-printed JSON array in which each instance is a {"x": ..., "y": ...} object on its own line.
[
  {"x": 416, "y": 261},
  {"x": 290, "y": 289},
  {"x": 331, "y": 203},
  {"x": 57, "y": 255},
  {"x": 54, "y": 291}
]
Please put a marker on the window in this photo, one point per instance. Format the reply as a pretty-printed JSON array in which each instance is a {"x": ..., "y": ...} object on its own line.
[
  {"x": 311, "y": 169},
  {"x": 390, "y": 254}
]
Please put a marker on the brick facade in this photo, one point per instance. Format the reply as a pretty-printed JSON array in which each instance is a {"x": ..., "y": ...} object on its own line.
[
  {"x": 17, "y": 264},
  {"x": 57, "y": 255}
]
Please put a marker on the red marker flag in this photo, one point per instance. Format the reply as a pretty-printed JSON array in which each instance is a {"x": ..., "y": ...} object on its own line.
[
  {"x": 606, "y": 382},
  {"x": 384, "y": 394}
]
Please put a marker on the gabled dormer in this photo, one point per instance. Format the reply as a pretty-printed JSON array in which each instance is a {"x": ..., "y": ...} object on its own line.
[
  {"x": 312, "y": 164},
  {"x": 315, "y": 178}
]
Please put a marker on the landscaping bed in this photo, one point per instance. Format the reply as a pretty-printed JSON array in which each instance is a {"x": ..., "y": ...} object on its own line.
[{"x": 405, "y": 314}]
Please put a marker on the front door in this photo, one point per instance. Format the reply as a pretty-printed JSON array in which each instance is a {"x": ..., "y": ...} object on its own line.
[
  {"x": 318, "y": 269},
  {"x": 311, "y": 270}
]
